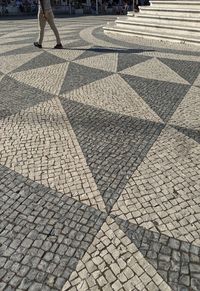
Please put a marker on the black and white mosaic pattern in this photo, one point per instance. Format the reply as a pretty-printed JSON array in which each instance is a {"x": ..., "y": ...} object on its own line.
[{"x": 99, "y": 161}]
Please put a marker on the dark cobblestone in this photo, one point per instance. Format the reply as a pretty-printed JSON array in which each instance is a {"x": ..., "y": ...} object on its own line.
[
  {"x": 25, "y": 96},
  {"x": 111, "y": 163},
  {"x": 153, "y": 92},
  {"x": 175, "y": 266},
  {"x": 49, "y": 263}
]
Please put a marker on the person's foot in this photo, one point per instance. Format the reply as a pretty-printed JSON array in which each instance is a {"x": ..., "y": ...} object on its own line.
[
  {"x": 58, "y": 46},
  {"x": 37, "y": 44}
]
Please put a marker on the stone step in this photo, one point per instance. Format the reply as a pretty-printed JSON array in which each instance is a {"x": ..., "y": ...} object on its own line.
[
  {"x": 137, "y": 24},
  {"x": 112, "y": 28},
  {"x": 175, "y": 20},
  {"x": 176, "y": 4},
  {"x": 167, "y": 20},
  {"x": 178, "y": 12}
]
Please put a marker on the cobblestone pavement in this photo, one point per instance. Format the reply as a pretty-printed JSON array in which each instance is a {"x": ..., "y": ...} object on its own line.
[{"x": 99, "y": 161}]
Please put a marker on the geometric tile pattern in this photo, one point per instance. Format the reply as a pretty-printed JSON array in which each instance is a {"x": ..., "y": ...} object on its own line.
[
  {"x": 113, "y": 94},
  {"x": 112, "y": 262},
  {"x": 187, "y": 114},
  {"x": 183, "y": 68},
  {"x": 38, "y": 77},
  {"x": 197, "y": 81},
  {"x": 176, "y": 261},
  {"x": 10, "y": 47},
  {"x": 9, "y": 63},
  {"x": 107, "y": 62},
  {"x": 163, "y": 191},
  {"x": 129, "y": 58},
  {"x": 43, "y": 133},
  {"x": 99, "y": 161},
  {"x": 79, "y": 75},
  {"x": 163, "y": 97},
  {"x": 17, "y": 49},
  {"x": 43, "y": 233},
  {"x": 44, "y": 59},
  {"x": 154, "y": 69},
  {"x": 67, "y": 55},
  {"x": 15, "y": 96},
  {"x": 113, "y": 145}
]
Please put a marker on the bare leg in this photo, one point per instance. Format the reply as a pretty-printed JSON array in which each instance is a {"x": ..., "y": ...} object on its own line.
[
  {"x": 41, "y": 24},
  {"x": 50, "y": 20}
]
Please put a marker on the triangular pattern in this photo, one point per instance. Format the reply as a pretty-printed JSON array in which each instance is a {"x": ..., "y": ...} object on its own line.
[
  {"x": 22, "y": 33},
  {"x": 113, "y": 94},
  {"x": 26, "y": 48},
  {"x": 191, "y": 133},
  {"x": 1, "y": 76},
  {"x": 38, "y": 77},
  {"x": 170, "y": 55},
  {"x": 107, "y": 62},
  {"x": 44, "y": 59},
  {"x": 162, "y": 97},
  {"x": 14, "y": 40},
  {"x": 129, "y": 59},
  {"x": 10, "y": 63},
  {"x": 78, "y": 75},
  {"x": 64, "y": 35},
  {"x": 113, "y": 145},
  {"x": 49, "y": 44},
  {"x": 66, "y": 54},
  {"x": 120, "y": 267},
  {"x": 80, "y": 43},
  {"x": 162, "y": 253},
  {"x": 15, "y": 96},
  {"x": 50, "y": 217},
  {"x": 197, "y": 81},
  {"x": 112, "y": 142},
  {"x": 160, "y": 193},
  {"x": 6, "y": 49},
  {"x": 26, "y": 36},
  {"x": 188, "y": 112},
  {"x": 41, "y": 145},
  {"x": 187, "y": 70},
  {"x": 154, "y": 69},
  {"x": 94, "y": 51}
]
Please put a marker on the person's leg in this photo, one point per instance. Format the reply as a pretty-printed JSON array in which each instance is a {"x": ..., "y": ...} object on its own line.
[
  {"x": 50, "y": 20},
  {"x": 41, "y": 24}
]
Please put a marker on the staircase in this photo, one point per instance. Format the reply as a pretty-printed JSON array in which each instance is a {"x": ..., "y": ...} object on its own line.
[{"x": 173, "y": 20}]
